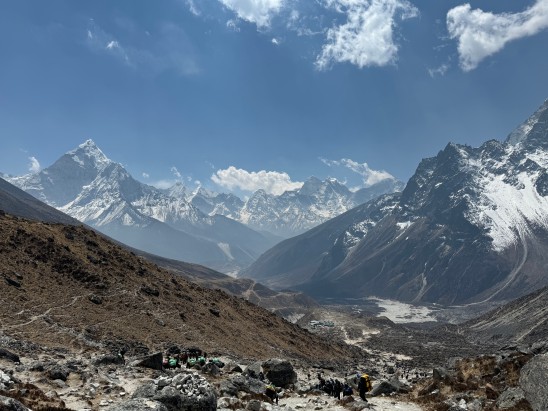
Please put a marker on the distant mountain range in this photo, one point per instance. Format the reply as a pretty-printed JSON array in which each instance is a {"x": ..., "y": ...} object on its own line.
[
  {"x": 214, "y": 229},
  {"x": 471, "y": 225}
]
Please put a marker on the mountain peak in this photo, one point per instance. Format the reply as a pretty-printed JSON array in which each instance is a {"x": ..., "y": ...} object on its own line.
[
  {"x": 524, "y": 131},
  {"x": 88, "y": 152}
]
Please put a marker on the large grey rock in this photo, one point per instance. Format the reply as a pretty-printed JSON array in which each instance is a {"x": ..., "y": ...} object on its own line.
[
  {"x": 58, "y": 372},
  {"x": 237, "y": 382},
  {"x": 147, "y": 390},
  {"x": 388, "y": 387},
  {"x": 253, "y": 370},
  {"x": 8, "y": 355},
  {"x": 108, "y": 360},
  {"x": 10, "y": 404},
  {"x": 171, "y": 398},
  {"x": 533, "y": 382},
  {"x": 138, "y": 404},
  {"x": 280, "y": 372},
  {"x": 510, "y": 397},
  {"x": 153, "y": 361}
]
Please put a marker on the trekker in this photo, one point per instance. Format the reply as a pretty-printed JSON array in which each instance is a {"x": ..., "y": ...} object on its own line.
[
  {"x": 270, "y": 392},
  {"x": 364, "y": 386},
  {"x": 337, "y": 388}
]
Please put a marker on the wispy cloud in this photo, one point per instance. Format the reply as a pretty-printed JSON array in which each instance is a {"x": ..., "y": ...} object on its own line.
[
  {"x": 367, "y": 37},
  {"x": 368, "y": 175},
  {"x": 176, "y": 173},
  {"x": 167, "y": 48},
  {"x": 232, "y": 25},
  {"x": 34, "y": 165},
  {"x": 259, "y": 12},
  {"x": 145, "y": 175},
  {"x": 193, "y": 8},
  {"x": 272, "y": 182},
  {"x": 481, "y": 34},
  {"x": 439, "y": 71}
]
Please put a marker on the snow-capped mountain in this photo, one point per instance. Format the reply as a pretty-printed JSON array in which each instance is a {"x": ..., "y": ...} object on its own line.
[
  {"x": 470, "y": 226},
  {"x": 88, "y": 186},
  {"x": 292, "y": 212}
]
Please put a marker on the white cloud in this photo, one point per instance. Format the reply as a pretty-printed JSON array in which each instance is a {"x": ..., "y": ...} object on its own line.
[
  {"x": 275, "y": 41},
  {"x": 367, "y": 37},
  {"x": 113, "y": 44},
  {"x": 145, "y": 175},
  {"x": 176, "y": 173},
  {"x": 34, "y": 165},
  {"x": 192, "y": 7},
  {"x": 255, "y": 11},
  {"x": 168, "y": 48},
  {"x": 232, "y": 25},
  {"x": 369, "y": 176},
  {"x": 439, "y": 71},
  {"x": 272, "y": 182},
  {"x": 481, "y": 34}
]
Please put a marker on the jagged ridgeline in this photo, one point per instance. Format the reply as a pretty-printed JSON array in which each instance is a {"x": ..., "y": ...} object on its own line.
[
  {"x": 215, "y": 229},
  {"x": 470, "y": 226}
]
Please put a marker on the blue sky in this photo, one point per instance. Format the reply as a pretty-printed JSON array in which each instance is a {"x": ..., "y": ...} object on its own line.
[{"x": 238, "y": 94}]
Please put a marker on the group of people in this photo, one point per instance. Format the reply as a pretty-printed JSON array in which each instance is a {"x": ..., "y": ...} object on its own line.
[{"x": 335, "y": 387}]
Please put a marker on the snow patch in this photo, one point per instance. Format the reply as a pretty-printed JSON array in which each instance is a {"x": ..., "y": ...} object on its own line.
[
  {"x": 400, "y": 313},
  {"x": 225, "y": 248}
]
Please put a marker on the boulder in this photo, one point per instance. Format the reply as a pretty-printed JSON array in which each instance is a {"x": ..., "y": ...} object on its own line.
[
  {"x": 10, "y": 404},
  {"x": 440, "y": 374},
  {"x": 138, "y": 404},
  {"x": 533, "y": 382},
  {"x": 153, "y": 361},
  {"x": 237, "y": 382},
  {"x": 8, "y": 355},
  {"x": 510, "y": 398},
  {"x": 108, "y": 360},
  {"x": 211, "y": 369},
  {"x": 389, "y": 387},
  {"x": 58, "y": 372},
  {"x": 280, "y": 372},
  {"x": 253, "y": 370},
  {"x": 147, "y": 390}
]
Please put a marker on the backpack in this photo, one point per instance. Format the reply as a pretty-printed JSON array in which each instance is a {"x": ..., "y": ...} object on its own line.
[{"x": 366, "y": 381}]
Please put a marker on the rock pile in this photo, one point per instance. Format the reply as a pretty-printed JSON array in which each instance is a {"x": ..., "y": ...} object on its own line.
[
  {"x": 182, "y": 392},
  {"x": 513, "y": 379}
]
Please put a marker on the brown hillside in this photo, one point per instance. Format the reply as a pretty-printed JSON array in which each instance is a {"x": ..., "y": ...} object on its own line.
[{"x": 68, "y": 286}]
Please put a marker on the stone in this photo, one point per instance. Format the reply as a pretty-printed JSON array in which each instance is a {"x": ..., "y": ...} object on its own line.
[
  {"x": 153, "y": 361},
  {"x": 280, "y": 372},
  {"x": 138, "y": 404},
  {"x": 147, "y": 390},
  {"x": 211, "y": 369},
  {"x": 533, "y": 382},
  {"x": 58, "y": 372},
  {"x": 10, "y": 404},
  {"x": 440, "y": 374},
  {"x": 510, "y": 398},
  {"x": 108, "y": 360},
  {"x": 253, "y": 370},
  {"x": 8, "y": 355}
]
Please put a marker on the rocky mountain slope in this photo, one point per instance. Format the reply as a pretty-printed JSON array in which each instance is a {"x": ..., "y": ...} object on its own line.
[
  {"x": 470, "y": 226},
  {"x": 68, "y": 286},
  {"x": 88, "y": 186},
  {"x": 521, "y": 321}
]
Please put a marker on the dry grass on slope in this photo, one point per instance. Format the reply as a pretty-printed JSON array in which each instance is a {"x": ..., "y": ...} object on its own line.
[{"x": 67, "y": 286}]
